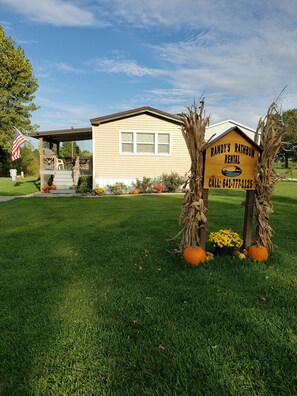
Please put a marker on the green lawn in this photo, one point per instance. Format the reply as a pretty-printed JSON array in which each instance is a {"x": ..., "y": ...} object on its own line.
[
  {"x": 94, "y": 303},
  {"x": 28, "y": 185},
  {"x": 290, "y": 173}
]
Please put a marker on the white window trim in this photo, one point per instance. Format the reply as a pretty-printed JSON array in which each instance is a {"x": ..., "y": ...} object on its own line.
[{"x": 156, "y": 143}]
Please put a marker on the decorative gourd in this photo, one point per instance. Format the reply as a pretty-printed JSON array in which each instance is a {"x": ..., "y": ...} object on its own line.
[
  {"x": 53, "y": 187},
  {"x": 45, "y": 188},
  {"x": 258, "y": 253},
  {"x": 246, "y": 252},
  {"x": 195, "y": 255},
  {"x": 135, "y": 191}
]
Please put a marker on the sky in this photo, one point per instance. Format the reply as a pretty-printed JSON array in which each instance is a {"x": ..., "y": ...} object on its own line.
[{"x": 97, "y": 57}]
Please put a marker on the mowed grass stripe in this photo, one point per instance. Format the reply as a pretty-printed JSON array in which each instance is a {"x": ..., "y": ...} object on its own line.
[{"x": 93, "y": 303}]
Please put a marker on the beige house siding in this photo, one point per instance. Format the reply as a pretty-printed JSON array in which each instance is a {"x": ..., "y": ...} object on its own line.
[{"x": 111, "y": 165}]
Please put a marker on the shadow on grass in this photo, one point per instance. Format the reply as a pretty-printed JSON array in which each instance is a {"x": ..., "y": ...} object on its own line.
[{"x": 97, "y": 306}]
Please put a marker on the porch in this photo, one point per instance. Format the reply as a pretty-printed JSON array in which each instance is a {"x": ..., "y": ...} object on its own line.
[{"x": 64, "y": 172}]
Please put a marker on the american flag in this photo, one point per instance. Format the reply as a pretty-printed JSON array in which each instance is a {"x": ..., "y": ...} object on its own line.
[{"x": 18, "y": 140}]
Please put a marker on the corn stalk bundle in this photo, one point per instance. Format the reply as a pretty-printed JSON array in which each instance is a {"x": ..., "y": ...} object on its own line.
[
  {"x": 268, "y": 135},
  {"x": 193, "y": 214}
]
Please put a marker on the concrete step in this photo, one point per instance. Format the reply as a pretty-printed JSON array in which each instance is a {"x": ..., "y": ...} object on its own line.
[
  {"x": 63, "y": 180},
  {"x": 64, "y": 172},
  {"x": 62, "y": 191},
  {"x": 63, "y": 176},
  {"x": 63, "y": 186}
]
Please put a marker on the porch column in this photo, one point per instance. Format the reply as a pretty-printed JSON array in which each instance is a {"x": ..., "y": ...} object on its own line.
[{"x": 41, "y": 165}]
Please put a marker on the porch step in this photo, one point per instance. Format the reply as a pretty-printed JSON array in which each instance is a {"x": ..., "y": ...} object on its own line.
[
  {"x": 63, "y": 180},
  {"x": 62, "y": 191},
  {"x": 64, "y": 186}
]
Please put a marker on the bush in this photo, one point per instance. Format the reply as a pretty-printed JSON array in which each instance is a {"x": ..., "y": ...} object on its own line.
[
  {"x": 85, "y": 184},
  {"x": 158, "y": 187},
  {"x": 172, "y": 181},
  {"x": 99, "y": 190},
  {"x": 144, "y": 185},
  {"x": 118, "y": 188}
]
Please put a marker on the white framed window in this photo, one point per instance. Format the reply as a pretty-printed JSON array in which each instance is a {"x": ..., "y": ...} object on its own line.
[{"x": 145, "y": 142}]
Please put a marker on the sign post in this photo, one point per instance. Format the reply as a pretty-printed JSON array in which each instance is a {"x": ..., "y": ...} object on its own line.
[{"x": 230, "y": 163}]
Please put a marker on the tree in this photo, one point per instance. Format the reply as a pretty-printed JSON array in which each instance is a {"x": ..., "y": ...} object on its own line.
[
  {"x": 17, "y": 87},
  {"x": 86, "y": 153},
  {"x": 69, "y": 149},
  {"x": 29, "y": 161},
  {"x": 289, "y": 148}
]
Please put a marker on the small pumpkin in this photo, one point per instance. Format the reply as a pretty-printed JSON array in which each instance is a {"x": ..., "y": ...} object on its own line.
[
  {"x": 194, "y": 255},
  {"x": 45, "y": 188},
  {"x": 258, "y": 253},
  {"x": 53, "y": 187},
  {"x": 135, "y": 191},
  {"x": 246, "y": 252}
]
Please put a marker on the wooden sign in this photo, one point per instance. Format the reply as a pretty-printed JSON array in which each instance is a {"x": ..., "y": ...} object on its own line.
[{"x": 231, "y": 162}]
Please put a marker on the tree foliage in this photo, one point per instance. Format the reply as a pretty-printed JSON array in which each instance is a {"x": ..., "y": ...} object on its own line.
[
  {"x": 289, "y": 148},
  {"x": 69, "y": 149},
  {"x": 17, "y": 87}
]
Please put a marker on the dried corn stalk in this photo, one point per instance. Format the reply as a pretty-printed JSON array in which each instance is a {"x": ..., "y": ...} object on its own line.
[
  {"x": 193, "y": 214},
  {"x": 268, "y": 135}
]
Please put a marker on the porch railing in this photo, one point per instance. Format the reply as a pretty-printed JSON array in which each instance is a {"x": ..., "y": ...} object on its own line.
[{"x": 83, "y": 165}]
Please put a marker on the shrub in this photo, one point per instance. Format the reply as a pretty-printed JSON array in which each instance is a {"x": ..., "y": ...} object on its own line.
[
  {"x": 118, "y": 188},
  {"x": 158, "y": 187},
  {"x": 85, "y": 184},
  {"x": 172, "y": 181},
  {"x": 99, "y": 190},
  {"x": 144, "y": 185}
]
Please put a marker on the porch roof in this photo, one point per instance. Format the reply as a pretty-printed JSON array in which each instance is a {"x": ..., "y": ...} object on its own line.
[{"x": 64, "y": 135}]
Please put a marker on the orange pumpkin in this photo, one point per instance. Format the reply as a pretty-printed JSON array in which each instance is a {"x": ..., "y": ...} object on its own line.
[
  {"x": 251, "y": 250},
  {"x": 135, "y": 191},
  {"x": 258, "y": 253},
  {"x": 194, "y": 255},
  {"x": 53, "y": 187}
]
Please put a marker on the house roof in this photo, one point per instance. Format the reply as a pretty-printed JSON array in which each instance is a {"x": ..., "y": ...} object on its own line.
[
  {"x": 131, "y": 113},
  {"x": 76, "y": 134},
  {"x": 240, "y": 132},
  {"x": 231, "y": 122},
  {"x": 64, "y": 135}
]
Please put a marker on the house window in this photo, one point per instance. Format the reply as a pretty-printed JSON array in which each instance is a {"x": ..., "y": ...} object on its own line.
[
  {"x": 163, "y": 143},
  {"x": 127, "y": 142},
  {"x": 145, "y": 143}
]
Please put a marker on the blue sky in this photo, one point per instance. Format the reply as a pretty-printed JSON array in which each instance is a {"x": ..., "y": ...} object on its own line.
[{"x": 97, "y": 57}]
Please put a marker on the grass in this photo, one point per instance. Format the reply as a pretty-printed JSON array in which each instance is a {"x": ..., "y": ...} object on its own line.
[
  {"x": 28, "y": 185},
  {"x": 290, "y": 173},
  {"x": 94, "y": 303}
]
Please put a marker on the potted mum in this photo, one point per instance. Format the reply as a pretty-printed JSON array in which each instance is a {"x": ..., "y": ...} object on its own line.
[{"x": 225, "y": 242}]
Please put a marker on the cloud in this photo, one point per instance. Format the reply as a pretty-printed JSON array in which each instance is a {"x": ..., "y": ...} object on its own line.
[
  {"x": 123, "y": 66},
  {"x": 225, "y": 15},
  {"x": 57, "y": 114},
  {"x": 65, "y": 67},
  {"x": 245, "y": 67},
  {"x": 54, "y": 12}
]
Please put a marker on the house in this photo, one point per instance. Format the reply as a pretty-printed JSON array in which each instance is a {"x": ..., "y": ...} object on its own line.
[
  {"x": 224, "y": 126},
  {"x": 126, "y": 146}
]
